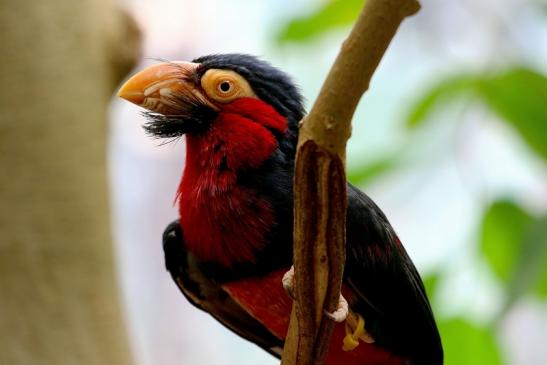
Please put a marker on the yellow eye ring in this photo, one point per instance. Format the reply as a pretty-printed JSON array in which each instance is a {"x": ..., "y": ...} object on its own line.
[{"x": 225, "y": 86}]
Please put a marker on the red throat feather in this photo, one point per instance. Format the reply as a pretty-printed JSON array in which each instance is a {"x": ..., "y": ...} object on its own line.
[{"x": 222, "y": 221}]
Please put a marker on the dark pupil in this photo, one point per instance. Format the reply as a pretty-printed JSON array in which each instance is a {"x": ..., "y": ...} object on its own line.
[{"x": 225, "y": 86}]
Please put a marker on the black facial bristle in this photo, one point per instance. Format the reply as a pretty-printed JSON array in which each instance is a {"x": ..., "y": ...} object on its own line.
[{"x": 192, "y": 117}]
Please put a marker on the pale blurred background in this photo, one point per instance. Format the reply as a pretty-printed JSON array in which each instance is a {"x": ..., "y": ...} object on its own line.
[
  {"x": 434, "y": 181},
  {"x": 450, "y": 141}
]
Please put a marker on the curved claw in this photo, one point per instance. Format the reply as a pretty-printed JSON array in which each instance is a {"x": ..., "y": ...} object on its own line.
[
  {"x": 341, "y": 312},
  {"x": 288, "y": 282}
]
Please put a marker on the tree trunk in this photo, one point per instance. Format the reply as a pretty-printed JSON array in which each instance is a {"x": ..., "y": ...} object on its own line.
[{"x": 59, "y": 299}]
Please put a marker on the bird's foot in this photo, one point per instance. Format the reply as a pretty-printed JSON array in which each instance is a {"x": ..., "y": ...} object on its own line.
[
  {"x": 355, "y": 332},
  {"x": 355, "y": 323},
  {"x": 341, "y": 312},
  {"x": 288, "y": 282}
]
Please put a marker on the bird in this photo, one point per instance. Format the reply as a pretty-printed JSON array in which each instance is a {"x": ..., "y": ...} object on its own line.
[{"x": 230, "y": 250}]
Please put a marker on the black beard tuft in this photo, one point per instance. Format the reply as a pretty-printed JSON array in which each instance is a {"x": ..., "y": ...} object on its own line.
[
  {"x": 189, "y": 115},
  {"x": 175, "y": 126}
]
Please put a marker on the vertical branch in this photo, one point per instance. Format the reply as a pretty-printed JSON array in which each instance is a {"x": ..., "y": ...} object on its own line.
[{"x": 320, "y": 198}]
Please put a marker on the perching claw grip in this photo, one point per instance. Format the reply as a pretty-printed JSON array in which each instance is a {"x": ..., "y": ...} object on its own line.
[{"x": 351, "y": 340}]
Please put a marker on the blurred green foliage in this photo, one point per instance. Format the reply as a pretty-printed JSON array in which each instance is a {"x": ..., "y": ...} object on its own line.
[
  {"x": 443, "y": 92},
  {"x": 512, "y": 240},
  {"x": 365, "y": 173},
  {"x": 504, "y": 226},
  {"x": 517, "y": 95},
  {"x": 514, "y": 243},
  {"x": 466, "y": 343},
  {"x": 331, "y": 15}
]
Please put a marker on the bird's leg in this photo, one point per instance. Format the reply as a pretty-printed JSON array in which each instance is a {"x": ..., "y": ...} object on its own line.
[{"x": 341, "y": 312}]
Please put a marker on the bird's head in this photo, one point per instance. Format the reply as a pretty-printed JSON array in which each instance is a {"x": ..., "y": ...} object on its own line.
[
  {"x": 187, "y": 97},
  {"x": 240, "y": 117}
]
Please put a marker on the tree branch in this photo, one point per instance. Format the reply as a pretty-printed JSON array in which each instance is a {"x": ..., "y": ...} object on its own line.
[{"x": 320, "y": 198}]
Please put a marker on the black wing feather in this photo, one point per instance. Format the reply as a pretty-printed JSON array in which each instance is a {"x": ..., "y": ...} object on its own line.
[
  {"x": 389, "y": 291},
  {"x": 209, "y": 296}
]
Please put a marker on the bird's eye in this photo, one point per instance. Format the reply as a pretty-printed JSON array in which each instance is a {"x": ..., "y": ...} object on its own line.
[{"x": 225, "y": 86}]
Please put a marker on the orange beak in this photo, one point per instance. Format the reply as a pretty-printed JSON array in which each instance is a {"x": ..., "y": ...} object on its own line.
[{"x": 160, "y": 88}]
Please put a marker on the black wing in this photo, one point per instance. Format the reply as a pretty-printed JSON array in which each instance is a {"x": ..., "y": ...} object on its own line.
[
  {"x": 388, "y": 290},
  {"x": 209, "y": 296}
]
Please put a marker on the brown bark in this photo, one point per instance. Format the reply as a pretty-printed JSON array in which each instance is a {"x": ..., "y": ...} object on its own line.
[
  {"x": 320, "y": 186},
  {"x": 59, "y": 301}
]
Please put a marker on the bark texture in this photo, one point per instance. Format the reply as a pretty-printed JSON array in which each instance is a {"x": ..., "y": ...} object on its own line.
[
  {"x": 320, "y": 199},
  {"x": 59, "y": 301}
]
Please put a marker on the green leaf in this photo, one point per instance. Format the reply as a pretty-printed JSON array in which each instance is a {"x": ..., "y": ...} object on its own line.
[
  {"x": 531, "y": 271},
  {"x": 515, "y": 245},
  {"x": 364, "y": 174},
  {"x": 541, "y": 234},
  {"x": 444, "y": 92},
  {"x": 541, "y": 287},
  {"x": 333, "y": 14},
  {"x": 466, "y": 343},
  {"x": 519, "y": 97},
  {"x": 430, "y": 283},
  {"x": 503, "y": 228}
]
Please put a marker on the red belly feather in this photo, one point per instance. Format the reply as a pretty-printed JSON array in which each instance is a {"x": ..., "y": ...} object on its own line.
[{"x": 265, "y": 299}]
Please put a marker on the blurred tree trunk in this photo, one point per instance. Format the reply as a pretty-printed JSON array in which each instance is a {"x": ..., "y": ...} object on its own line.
[{"x": 59, "y": 299}]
